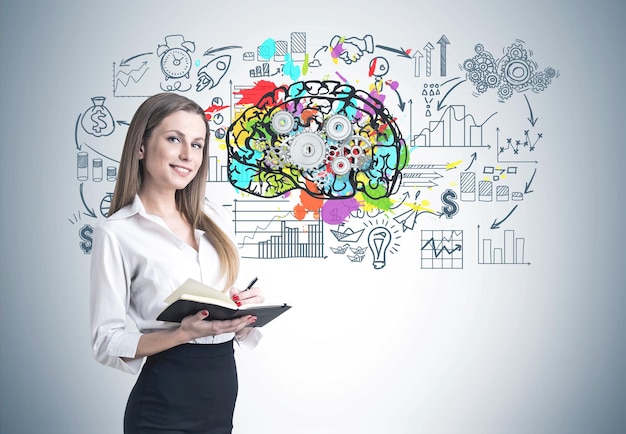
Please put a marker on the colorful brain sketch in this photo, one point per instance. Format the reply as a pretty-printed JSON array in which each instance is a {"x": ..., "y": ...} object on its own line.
[{"x": 324, "y": 137}]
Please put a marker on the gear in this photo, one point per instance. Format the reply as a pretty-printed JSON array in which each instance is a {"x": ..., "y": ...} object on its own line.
[
  {"x": 283, "y": 122},
  {"x": 307, "y": 150},
  {"x": 338, "y": 127}
]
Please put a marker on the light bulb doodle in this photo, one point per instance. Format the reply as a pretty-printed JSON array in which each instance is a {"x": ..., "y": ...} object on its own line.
[{"x": 378, "y": 241}]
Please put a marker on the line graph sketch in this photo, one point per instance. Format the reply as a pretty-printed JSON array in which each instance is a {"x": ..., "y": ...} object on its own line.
[
  {"x": 454, "y": 128},
  {"x": 442, "y": 249},
  {"x": 267, "y": 229}
]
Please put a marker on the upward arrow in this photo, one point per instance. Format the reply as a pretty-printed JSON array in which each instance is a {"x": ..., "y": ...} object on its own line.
[{"x": 443, "y": 41}]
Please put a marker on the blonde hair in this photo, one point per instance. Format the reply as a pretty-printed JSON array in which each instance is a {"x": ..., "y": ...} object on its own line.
[{"x": 190, "y": 200}]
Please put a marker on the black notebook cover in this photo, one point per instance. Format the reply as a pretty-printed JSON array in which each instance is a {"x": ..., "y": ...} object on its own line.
[{"x": 182, "y": 308}]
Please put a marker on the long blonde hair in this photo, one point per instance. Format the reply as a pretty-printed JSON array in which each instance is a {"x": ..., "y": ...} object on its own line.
[{"x": 190, "y": 200}]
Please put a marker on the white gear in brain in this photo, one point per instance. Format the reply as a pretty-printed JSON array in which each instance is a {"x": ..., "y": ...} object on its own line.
[
  {"x": 307, "y": 150},
  {"x": 338, "y": 128},
  {"x": 283, "y": 122},
  {"x": 322, "y": 179},
  {"x": 276, "y": 155},
  {"x": 341, "y": 165},
  {"x": 359, "y": 150}
]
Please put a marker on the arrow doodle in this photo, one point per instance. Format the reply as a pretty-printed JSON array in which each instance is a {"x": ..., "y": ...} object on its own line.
[
  {"x": 496, "y": 224},
  {"x": 533, "y": 120}
]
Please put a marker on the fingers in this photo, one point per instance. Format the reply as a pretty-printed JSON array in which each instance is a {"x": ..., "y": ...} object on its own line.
[
  {"x": 196, "y": 326},
  {"x": 253, "y": 295}
]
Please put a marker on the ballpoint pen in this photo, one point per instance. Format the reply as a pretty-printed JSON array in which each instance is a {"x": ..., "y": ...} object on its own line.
[{"x": 251, "y": 284}]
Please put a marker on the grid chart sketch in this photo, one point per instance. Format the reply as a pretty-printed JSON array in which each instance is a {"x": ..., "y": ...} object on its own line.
[{"x": 442, "y": 249}]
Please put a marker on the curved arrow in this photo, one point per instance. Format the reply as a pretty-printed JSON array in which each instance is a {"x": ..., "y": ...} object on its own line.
[
  {"x": 496, "y": 224},
  {"x": 474, "y": 157},
  {"x": 90, "y": 212},
  {"x": 526, "y": 189},
  {"x": 212, "y": 50},
  {"x": 124, "y": 62},
  {"x": 533, "y": 120},
  {"x": 439, "y": 103}
]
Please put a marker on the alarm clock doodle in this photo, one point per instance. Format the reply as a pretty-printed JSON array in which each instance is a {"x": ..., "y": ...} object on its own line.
[{"x": 176, "y": 62}]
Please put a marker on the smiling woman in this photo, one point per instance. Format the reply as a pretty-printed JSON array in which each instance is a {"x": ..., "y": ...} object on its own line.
[{"x": 160, "y": 232}]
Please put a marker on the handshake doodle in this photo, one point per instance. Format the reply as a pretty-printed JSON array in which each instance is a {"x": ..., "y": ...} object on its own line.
[{"x": 351, "y": 49}]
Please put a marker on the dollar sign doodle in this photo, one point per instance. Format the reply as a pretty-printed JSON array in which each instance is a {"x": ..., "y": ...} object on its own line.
[
  {"x": 450, "y": 207},
  {"x": 86, "y": 235},
  {"x": 98, "y": 117}
]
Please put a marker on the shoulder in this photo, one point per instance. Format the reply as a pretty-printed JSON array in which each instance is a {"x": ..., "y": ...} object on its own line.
[
  {"x": 122, "y": 218},
  {"x": 220, "y": 215},
  {"x": 216, "y": 212}
]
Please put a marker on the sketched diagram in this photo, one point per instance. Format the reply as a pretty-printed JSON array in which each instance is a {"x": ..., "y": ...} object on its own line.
[
  {"x": 173, "y": 66},
  {"x": 515, "y": 71},
  {"x": 129, "y": 76},
  {"x": 454, "y": 128},
  {"x": 349, "y": 239},
  {"x": 175, "y": 61},
  {"x": 311, "y": 131},
  {"x": 288, "y": 54},
  {"x": 268, "y": 229},
  {"x": 507, "y": 248},
  {"x": 92, "y": 161},
  {"x": 94, "y": 166},
  {"x": 324, "y": 137},
  {"x": 442, "y": 249}
]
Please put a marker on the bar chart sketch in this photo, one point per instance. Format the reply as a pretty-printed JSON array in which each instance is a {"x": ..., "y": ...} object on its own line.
[
  {"x": 217, "y": 172},
  {"x": 442, "y": 249},
  {"x": 509, "y": 249},
  {"x": 267, "y": 229},
  {"x": 485, "y": 190}
]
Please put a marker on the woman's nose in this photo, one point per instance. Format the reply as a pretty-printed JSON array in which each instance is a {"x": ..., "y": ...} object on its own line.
[{"x": 185, "y": 152}]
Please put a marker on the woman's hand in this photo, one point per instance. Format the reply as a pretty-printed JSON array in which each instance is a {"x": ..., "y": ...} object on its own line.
[
  {"x": 250, "y": 296},
  {"x": 195, "y": 326}
]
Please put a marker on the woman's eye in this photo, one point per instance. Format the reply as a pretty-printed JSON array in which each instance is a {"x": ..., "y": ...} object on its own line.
[
  {"x": 173, "y": 139},
  {"x": 197, "y": 145}
]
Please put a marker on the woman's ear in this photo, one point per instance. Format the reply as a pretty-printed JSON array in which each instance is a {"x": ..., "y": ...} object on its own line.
[{"x": 141, "y": 151}]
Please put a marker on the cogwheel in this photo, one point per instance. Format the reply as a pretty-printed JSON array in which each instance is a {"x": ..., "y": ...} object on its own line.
[
  {"x": 277, "y": 155},
  {"x": 322, "y": 179},
  {"x": 468, "y": 65},
  {"x": 341, "y": 165},
  {"x": 517, "y": 51},
  {"x": 517, "y": 72},
  {"x": 307, "y": 150},
  {"x": 505, "y": 91},
  {"x": 362, "y": 162},
  {"x": 492, "y": 80},
  {"x": 283, "y": 122},
  {"x": 338, "y": 127}
]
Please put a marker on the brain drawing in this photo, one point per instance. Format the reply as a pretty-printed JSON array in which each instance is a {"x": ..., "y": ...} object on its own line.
[{"x": 324, "y": 137}]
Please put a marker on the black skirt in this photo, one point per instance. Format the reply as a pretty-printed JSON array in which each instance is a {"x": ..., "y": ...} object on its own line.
[{"x": 190, "y": 388}]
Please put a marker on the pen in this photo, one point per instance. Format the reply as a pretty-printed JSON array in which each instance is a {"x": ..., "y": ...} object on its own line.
[{"x": 251, "y": 283}]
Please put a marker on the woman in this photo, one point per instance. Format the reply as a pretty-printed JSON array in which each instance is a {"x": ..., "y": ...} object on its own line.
[{"x": 161, "y": 231}]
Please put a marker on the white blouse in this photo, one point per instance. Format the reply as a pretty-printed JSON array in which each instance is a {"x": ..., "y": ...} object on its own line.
[{"x": 136, "y": 262}]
